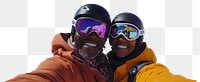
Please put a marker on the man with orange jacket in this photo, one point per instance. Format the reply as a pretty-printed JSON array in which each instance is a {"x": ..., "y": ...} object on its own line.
[{"x": 78, "y": 55}]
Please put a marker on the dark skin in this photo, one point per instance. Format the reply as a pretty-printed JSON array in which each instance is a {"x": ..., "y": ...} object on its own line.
[
  {"x": 121, "y": 46},
  {"x": 88, "y": 46}
]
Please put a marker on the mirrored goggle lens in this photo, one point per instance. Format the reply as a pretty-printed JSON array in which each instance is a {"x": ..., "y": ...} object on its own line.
[
  {"x": 129, "y": 31},
  {"x": 86, "y": 26}
]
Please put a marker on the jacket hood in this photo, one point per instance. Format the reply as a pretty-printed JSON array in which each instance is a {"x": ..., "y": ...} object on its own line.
[{"x": 60, "y": 43}]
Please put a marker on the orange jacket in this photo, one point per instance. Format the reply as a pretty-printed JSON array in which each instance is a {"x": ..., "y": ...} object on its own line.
[
  {"x": 62, "y": 67},
  {"x": 150, "y": 73}
]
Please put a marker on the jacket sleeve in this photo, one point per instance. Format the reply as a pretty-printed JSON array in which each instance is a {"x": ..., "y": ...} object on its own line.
[
  {"x": 159, "y": 73},
  {"x": 51, "y": 70}
]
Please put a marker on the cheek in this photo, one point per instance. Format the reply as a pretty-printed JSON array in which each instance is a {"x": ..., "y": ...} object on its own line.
[
  {"x": 77, "y": 40},
  {"x": 112, "y": 41},
  {"x": 76, "y": 36},
  {"x": 132, "y": 45},
  {"x": 103, "y": 41}
]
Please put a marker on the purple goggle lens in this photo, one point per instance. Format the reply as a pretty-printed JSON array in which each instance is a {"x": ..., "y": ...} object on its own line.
[{"x": 88, "y": 25}]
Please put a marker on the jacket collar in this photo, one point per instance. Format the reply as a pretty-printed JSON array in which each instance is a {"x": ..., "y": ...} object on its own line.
[
  {"x": 146, "y": 54},
  {"x": 60, "y": 44}
]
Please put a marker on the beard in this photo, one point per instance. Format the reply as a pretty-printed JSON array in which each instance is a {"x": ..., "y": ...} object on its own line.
[
  {"x": 86, "y": 51},
  {"x": 87, "y": 55}
]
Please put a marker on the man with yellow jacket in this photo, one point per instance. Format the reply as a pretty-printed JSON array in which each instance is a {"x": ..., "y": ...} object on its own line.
[
  {"x": 78, "y": 55},
  {"x": 130, "y": 58}
]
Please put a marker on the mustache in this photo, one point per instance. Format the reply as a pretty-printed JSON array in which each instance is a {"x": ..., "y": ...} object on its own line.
[
  {"x": 80, "y": 42},
  {"x": 90, "y": 39}
]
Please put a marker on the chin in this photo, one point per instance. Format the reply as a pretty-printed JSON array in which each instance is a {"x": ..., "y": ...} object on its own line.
[
  {"x": 121, "y": 54},
  {"x": 86, "y": 55}
]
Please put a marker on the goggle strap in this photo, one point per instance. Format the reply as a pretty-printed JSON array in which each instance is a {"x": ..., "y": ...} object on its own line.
[
  {"x": 74, "y": 22},
  {"x": 141, "y": 32}
]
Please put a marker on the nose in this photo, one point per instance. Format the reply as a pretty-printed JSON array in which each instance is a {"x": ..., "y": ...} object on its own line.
[
  {"x": 121, "y": 38},
  {"x": 93, "y": 35}
]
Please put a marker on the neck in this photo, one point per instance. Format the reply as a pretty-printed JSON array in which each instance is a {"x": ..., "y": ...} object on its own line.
[{"x": 118, "y": 61}]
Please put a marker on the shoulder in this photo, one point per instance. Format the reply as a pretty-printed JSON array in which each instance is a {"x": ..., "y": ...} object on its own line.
[{"x": 153, "y": 68}]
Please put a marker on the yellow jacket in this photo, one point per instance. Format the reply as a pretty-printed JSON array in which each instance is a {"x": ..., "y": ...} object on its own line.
[{"x": 150, "y": 73}]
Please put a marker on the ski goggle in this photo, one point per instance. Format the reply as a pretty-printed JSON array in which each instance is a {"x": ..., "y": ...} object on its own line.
[
  {"x": 129, "y": 31},
  {"x": 86, "y": 26}
]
